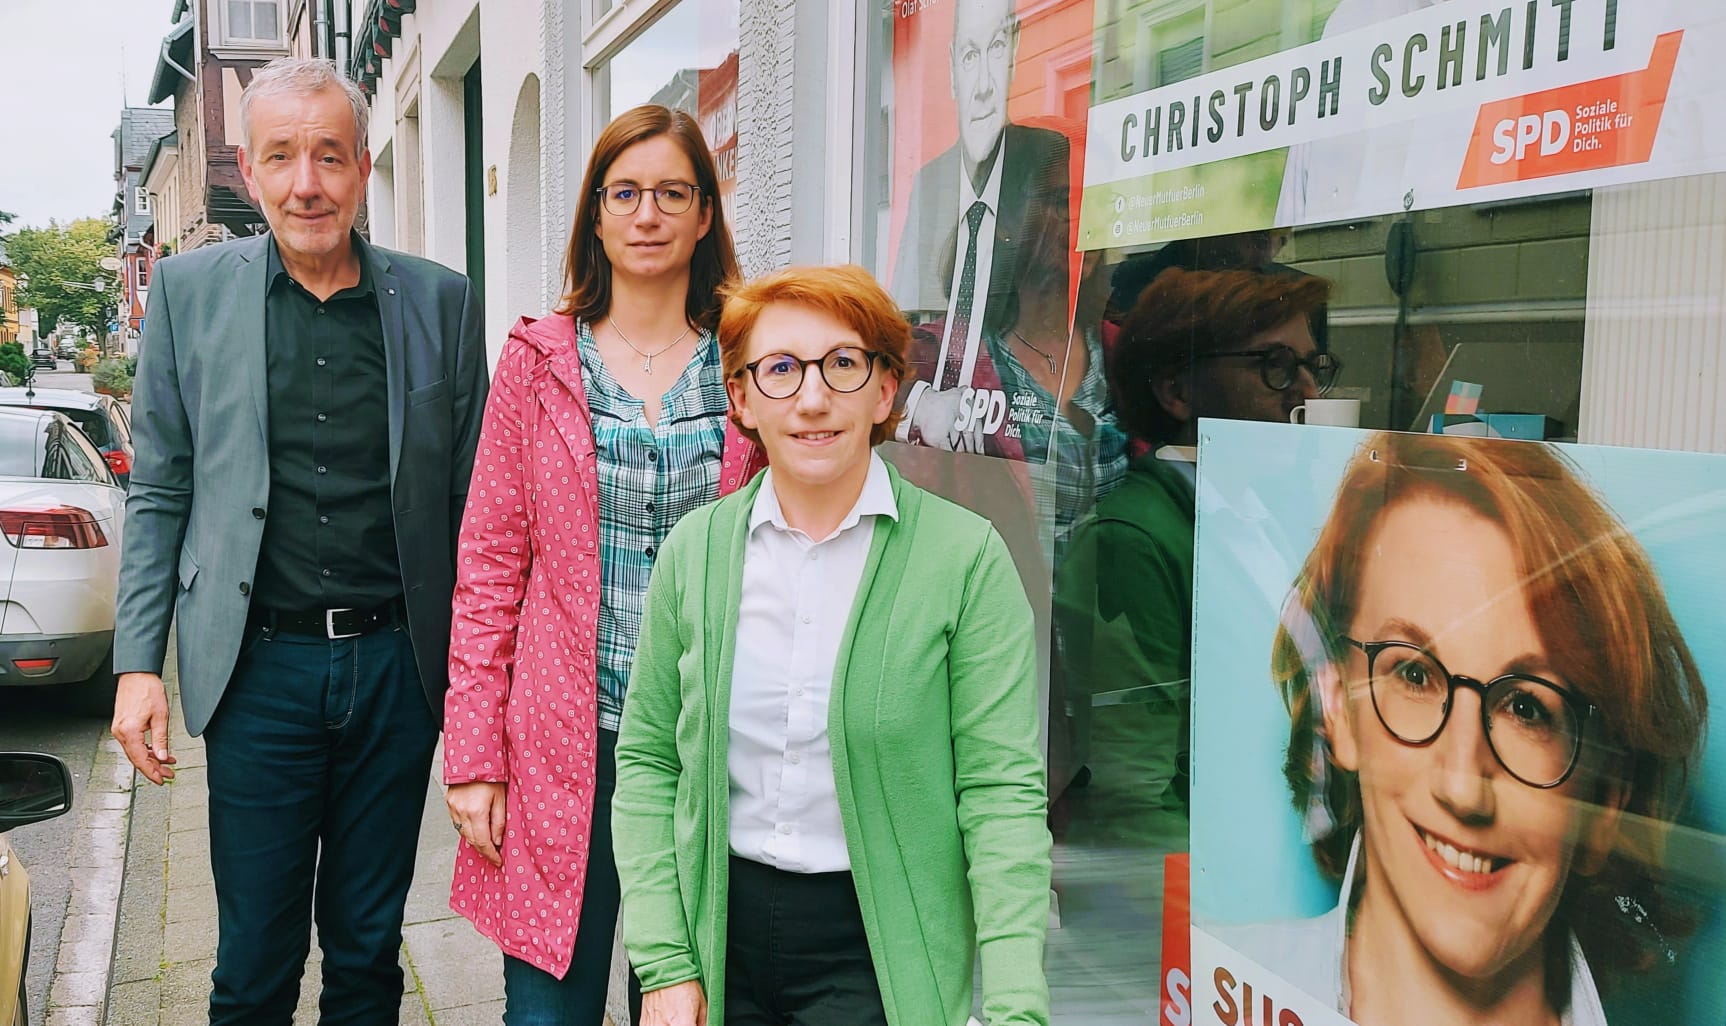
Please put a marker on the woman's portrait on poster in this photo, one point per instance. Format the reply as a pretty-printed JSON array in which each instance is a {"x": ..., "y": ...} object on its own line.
[{"x": 1494, "y": 722}]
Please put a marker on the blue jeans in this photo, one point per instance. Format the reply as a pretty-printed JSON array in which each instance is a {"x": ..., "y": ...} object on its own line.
[
  {"x": 318, "y": 760},
  {"x": 534, "y": 997}
]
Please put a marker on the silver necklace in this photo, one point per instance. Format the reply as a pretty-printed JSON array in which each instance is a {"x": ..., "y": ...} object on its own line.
[
  {"x": 1048, "y": 358},
  {"x": 646, "y": 358}
]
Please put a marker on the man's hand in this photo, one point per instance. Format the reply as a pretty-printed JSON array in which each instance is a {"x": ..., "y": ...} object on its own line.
[
  {"x": 141, "y": 724},
  {"x": 933, "y": 420},
  {"x": 681, "y": 1004},
  {"x": 477, "y": 809}
]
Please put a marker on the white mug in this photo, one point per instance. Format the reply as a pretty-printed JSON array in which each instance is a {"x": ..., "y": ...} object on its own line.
[{"x": 1329, "y": 412}]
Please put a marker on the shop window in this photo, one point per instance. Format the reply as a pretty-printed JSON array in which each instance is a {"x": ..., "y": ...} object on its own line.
[
  {"x": 1446, "y": 245},
  {"x": 686, "y": 60}
]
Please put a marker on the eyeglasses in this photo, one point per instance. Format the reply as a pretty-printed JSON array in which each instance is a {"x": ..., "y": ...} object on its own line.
[
  {"x": 1279, "y": 366},
  {"x": 624, "y": 198},
  {"x": 780, "y": 375},
  {"x": 1533, "y": 726}
]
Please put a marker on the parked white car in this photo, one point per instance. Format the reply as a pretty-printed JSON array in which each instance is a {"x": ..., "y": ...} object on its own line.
[{"x": 62, "y": 516}]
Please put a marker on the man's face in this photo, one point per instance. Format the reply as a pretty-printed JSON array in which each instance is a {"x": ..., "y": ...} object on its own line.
[
  {"x": 984, "y": 38},
  {"x": 305, "y": 169}
]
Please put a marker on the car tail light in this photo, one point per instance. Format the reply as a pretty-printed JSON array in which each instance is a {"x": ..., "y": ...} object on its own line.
[
  {"x": 52, "y": 527},
  {"x": 118, "y": 461}
]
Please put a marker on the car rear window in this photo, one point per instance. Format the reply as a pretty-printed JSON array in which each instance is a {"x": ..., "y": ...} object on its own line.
[
  {"x": 21, "y": 442},
  {"x": 94, "y": 424}
]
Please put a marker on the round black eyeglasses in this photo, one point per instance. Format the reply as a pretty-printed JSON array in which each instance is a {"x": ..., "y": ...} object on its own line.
[
  {"x": 845, "y": 369},
  {"x": 1533, "y": 726},
  {"x": 624, "y": 198},
  {"x": 1280, "y": 366}
]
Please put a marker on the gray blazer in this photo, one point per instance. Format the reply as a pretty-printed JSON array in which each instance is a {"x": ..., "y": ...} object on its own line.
[{"x": 201, "y": 476}]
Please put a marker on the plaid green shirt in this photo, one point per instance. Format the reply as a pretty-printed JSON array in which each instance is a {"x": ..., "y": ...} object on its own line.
[{"x": 649, "y": 477}]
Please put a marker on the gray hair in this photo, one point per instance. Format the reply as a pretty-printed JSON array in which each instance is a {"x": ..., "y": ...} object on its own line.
[{"x": 303, "y": 76}]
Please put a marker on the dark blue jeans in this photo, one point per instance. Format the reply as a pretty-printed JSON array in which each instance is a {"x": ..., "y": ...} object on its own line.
[
  {"x": 534, "y": 997},
  {"x": 318, "y": 757}
]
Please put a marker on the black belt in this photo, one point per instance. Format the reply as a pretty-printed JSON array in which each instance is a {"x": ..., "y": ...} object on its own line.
[{"x": 333, "y": 624}]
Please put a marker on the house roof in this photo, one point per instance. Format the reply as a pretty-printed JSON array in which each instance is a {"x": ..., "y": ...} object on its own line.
[
  {"x": 176, "y": 50},
  {"x": 139, "y": 128},
  {"x": 170, "y": 141}
]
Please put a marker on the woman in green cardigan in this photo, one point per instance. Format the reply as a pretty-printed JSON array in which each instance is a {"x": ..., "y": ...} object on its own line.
[{"x": 830, "y": 790}]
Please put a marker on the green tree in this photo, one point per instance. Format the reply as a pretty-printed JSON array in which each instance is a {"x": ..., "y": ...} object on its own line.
[
  {"x": 13, "y": 360},
  {"x": 53, "y": 256},
  {"x": 7, "y": 217}
]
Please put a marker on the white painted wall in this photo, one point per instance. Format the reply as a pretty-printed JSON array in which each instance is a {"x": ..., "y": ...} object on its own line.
[{"x": 439, "y": 43}]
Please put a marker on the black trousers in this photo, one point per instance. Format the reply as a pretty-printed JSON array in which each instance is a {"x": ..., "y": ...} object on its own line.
[
  {"x": 318, "y": 760},
  {"x": 795, "y": 951}
]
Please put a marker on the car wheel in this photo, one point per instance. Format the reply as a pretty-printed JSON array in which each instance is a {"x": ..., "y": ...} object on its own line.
[{"x": 95, "y": 697}]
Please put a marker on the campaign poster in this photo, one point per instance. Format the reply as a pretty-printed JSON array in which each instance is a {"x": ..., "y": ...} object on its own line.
[
  {"x": 1457, "y": 743},
  {"x": 989, "y": 101},
  {"x": 1413, "y": 104}
]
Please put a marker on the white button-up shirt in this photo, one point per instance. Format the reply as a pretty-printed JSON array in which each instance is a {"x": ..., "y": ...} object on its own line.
[{"x": 797, "y": 596}]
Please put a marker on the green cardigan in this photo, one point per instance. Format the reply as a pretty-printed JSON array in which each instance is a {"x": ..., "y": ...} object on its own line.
[{"x": 934, "y": 730}]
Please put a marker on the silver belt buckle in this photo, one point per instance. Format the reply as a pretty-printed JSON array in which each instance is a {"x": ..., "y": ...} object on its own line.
[{"x": 330, "y": 625}]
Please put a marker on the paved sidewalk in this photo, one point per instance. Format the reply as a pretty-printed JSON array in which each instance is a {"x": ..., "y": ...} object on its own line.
[{"x": 166, "y": 943}]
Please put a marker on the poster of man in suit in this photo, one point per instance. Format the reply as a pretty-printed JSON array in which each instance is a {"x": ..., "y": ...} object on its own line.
[{"x": 983, "y": 244}]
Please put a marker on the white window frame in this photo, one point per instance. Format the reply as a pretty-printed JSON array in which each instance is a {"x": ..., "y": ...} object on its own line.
[
  {"x": 140, "y": 200},
  {"x": 1153, "y": 31},
  {"x": 604, "y": 33},
  {"x": 232, "y": 42}
]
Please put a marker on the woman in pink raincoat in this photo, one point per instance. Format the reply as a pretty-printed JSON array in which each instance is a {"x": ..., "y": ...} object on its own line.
[{"x": 606, "y": 423}]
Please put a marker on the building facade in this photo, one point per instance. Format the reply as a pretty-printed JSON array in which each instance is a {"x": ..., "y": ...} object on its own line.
[
  {"x": 10, "y": 325},
  {"x": 207, "y": 56},
  {"x": 135, "y": 139},
  {"x": 1477, "y": 261}
]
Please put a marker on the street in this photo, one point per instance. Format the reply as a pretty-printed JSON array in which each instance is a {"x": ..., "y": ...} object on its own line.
[
  {"x": 42, "y": 720},
  {"x": 37, "y": 721},
  {"x": 63, "y": 377}
]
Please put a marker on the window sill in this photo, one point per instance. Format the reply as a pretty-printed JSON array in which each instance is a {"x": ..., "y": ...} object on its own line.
[{"x": 248, "y": 51}]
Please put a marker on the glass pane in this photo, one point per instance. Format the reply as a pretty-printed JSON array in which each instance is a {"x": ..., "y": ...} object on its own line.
[
  {"x": 21, "y": 441},
  {"x": 972, "y": 155},
  {"x": 686, "y": 60},
  {"x": 1555, "y": 286},
  {"x": 240, "y": 19},
  {"x": 266, "y": 19},
  {"x": 83, "y": 462},
  {"x": 93, "y": 423}
]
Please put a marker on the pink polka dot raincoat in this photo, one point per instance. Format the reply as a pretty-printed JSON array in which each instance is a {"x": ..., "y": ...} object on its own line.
[{"x": 522, "y": 704}]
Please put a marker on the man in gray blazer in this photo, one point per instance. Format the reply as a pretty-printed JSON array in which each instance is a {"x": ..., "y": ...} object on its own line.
[{"x": 306, "y": 412}]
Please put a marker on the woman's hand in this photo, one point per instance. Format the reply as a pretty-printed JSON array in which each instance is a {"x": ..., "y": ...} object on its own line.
[
  {"x": 477, "y": 811},
  {"x": 681, "y": 1004}
]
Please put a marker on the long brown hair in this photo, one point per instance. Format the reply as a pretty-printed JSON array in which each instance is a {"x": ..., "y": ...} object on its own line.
[
  {"x": 1602, "y": 614},
  {"x": 587, "y": 271}
]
